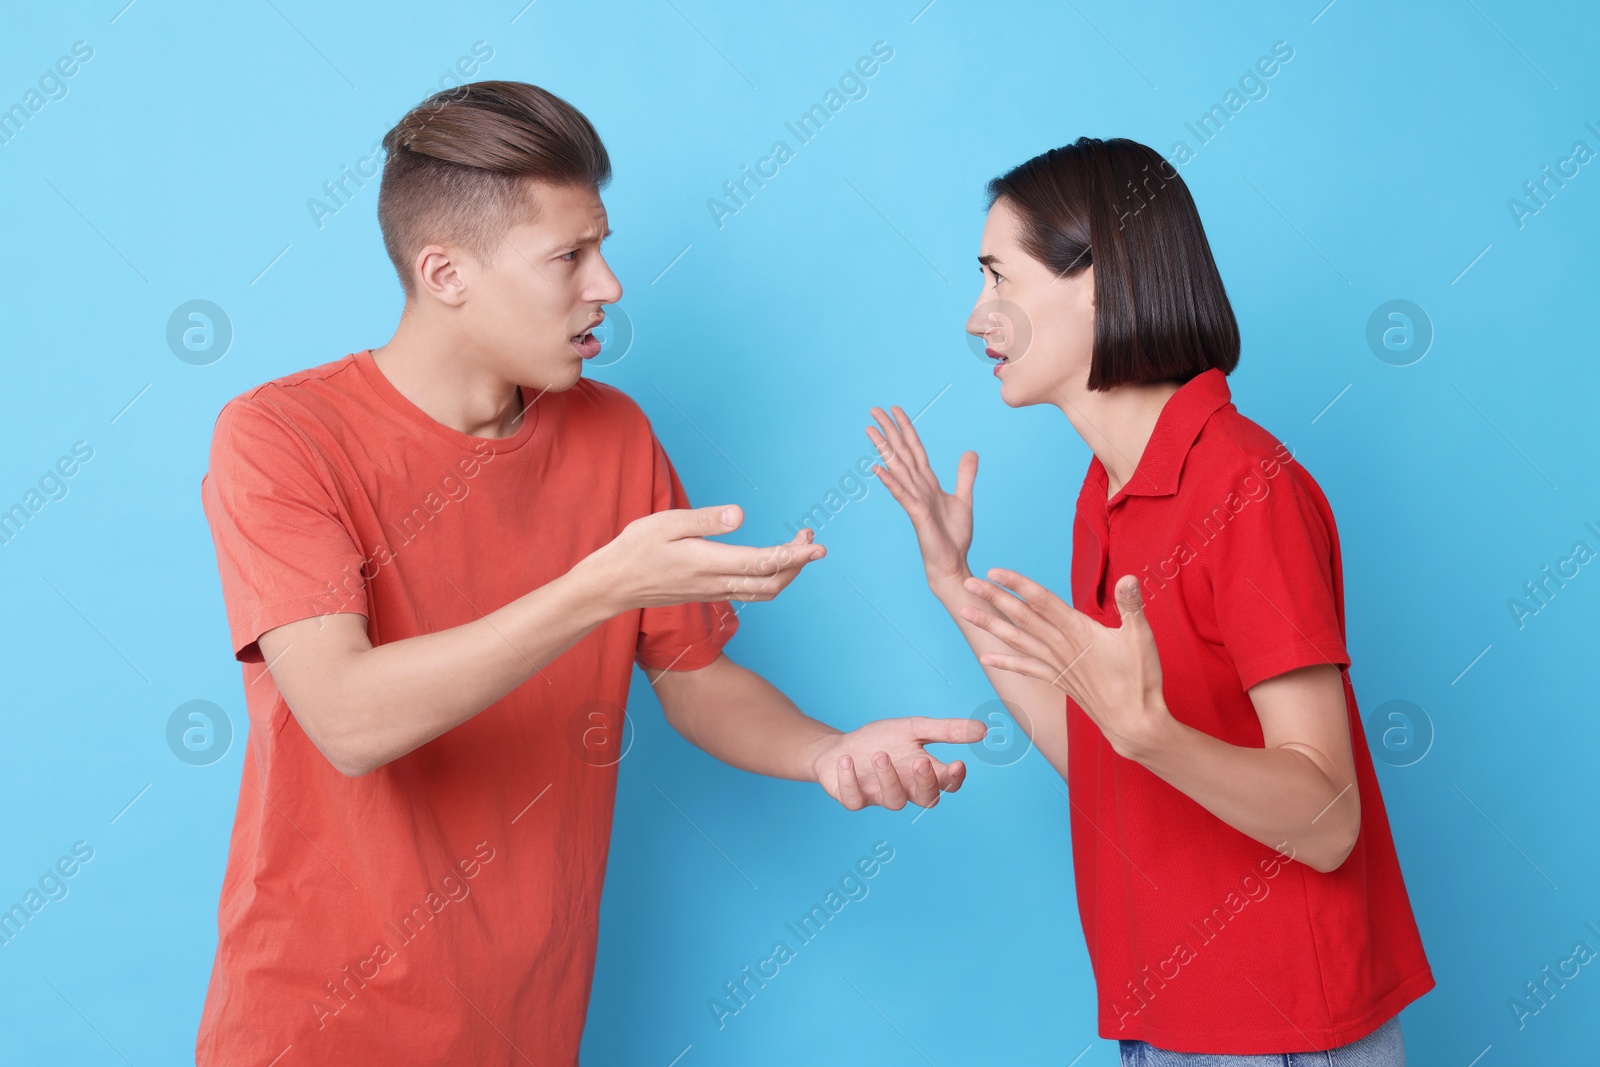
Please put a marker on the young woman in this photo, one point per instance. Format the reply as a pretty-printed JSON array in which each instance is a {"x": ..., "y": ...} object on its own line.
[{"x": 1236, "y": 878}]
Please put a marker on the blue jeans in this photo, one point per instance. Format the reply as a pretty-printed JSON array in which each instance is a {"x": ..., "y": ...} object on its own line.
[{"x": 1381, "y": 1048}]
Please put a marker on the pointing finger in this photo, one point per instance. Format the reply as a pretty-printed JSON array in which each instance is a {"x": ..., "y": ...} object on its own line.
[{"x": 950, "y": 731}]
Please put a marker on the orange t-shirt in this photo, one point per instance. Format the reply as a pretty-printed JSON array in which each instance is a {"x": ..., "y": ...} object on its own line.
[{"x": 444, "y": 908}]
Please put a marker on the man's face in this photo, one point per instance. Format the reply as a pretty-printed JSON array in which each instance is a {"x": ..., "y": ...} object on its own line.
[{"x": 531, "y": 312}]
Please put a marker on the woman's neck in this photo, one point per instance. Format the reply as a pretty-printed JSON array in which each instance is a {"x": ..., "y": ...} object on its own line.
[{"x": 1116, "y": 424}]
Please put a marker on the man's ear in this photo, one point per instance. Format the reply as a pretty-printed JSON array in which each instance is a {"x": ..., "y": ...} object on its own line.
[{"x": 439, "y": 276}]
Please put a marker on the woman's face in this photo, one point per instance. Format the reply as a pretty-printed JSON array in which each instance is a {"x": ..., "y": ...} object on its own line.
[{"x": 1041, "y": 323}]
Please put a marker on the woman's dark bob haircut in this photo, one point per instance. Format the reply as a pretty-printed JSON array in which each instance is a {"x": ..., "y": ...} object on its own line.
[{"x": 1161, "y": 313}]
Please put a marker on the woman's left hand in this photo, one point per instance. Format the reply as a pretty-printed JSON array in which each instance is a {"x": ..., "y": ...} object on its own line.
[{"x": 1113, "y": 674}]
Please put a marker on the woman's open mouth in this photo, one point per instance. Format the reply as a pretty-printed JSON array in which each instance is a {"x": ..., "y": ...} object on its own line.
[
  {"x": 1000, "y": 357},
  {"x": 586, "y": 344}
]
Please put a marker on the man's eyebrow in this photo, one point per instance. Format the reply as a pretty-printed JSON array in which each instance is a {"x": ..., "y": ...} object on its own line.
[{"x": 588, "y": 237}]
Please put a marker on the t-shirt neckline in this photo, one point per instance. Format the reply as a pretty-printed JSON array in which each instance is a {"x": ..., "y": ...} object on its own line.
[{"x": 411, "y": 413}]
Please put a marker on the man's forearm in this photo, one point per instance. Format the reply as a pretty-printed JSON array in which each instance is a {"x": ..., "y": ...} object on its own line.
[
  {"x": 1273, "y": 795},
  {"x": 1044, "y": 706},
  {"x": 743, "y": 720},
  {"x": 397, "y": 696}
]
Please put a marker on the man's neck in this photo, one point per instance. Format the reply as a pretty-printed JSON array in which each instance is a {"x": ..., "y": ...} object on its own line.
[{"x": 434, "y": 373}]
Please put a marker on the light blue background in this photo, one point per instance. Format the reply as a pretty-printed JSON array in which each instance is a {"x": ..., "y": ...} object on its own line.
[{"x": 1378, "y": 167}]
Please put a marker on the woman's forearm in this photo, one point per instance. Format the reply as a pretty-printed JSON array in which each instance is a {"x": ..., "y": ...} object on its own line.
[{"x": 1276, "y": 795}]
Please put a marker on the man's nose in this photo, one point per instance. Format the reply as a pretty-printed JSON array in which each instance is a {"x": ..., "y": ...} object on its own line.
[{"x": 606, "y": 288}]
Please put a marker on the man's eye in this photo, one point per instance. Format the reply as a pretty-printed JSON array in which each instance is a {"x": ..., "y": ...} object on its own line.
[{"x": 570, "y": 256}]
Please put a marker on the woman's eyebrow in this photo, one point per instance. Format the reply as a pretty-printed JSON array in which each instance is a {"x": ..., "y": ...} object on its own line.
[{"x": 987, "y": 260}]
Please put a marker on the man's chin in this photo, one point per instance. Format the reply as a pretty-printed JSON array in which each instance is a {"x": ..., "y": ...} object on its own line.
[{"x": 554, "y": 380}]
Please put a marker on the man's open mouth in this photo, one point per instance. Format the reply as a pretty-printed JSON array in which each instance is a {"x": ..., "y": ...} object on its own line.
[{"x": 586, "y": 344}]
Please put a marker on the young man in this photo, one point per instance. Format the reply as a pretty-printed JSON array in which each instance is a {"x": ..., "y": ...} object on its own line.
[{"x": 440, "y": 560}]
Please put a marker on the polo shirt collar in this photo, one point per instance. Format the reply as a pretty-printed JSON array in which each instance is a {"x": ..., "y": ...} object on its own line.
[{"x": 1179, "y": 423}]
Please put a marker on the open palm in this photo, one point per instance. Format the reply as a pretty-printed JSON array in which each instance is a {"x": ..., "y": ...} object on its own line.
[{"x": 943, "y": 521}]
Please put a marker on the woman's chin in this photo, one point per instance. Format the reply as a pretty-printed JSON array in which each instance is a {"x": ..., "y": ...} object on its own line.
[{"x": 1018, "y": 396}]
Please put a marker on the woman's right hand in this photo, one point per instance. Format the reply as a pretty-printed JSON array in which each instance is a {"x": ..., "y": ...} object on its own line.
[{"x": 943, "y": 521}]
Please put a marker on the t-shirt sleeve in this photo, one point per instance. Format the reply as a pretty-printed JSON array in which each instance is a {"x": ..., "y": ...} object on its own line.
[
  {"x": 1273, "y": 579},
  {"x": 284, "y": 551},
  {"x": 680, "y": 637}
]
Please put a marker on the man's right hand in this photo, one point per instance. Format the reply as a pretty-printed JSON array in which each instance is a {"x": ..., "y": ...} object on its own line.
[{"x": 664, "y": 558}]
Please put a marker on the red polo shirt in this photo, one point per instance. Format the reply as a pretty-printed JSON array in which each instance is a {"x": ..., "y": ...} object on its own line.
[{"x": 1202, "y": 939}]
